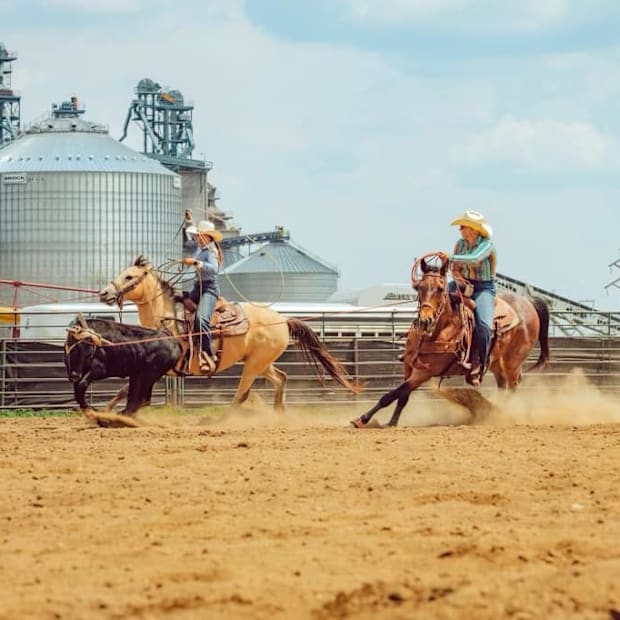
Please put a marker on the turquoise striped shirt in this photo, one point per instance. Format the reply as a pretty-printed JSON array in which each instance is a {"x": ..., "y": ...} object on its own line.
[{"x": 477, "y": 261}]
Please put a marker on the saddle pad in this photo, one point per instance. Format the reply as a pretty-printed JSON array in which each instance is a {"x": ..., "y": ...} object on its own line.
[{"x": 505, "y": 317}]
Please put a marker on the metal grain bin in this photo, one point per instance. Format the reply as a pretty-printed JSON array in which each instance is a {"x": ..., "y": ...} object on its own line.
[
  {"x": 76, "y": 207},
  {"x": 279, "y": 271}
]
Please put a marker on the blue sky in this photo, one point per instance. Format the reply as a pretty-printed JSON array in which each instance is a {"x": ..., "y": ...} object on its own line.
[{"x": 365, "y": 126}]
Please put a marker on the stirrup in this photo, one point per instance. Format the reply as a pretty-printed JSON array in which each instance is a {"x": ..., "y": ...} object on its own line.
[
  {"x": 474, "y": 377},
  {"x": 473, "y": 380},
  {"x": 206, "y": 363}
]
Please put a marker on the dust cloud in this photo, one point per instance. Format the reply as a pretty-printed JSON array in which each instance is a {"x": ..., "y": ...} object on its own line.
[{"x": 571, "y": 400}]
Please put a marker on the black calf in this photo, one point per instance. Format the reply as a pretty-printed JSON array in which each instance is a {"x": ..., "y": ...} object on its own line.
[{"x": 97, "y": 348}]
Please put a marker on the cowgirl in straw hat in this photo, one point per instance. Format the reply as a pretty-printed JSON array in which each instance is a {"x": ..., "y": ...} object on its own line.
[
  {"x": 207, "y": 260},
  {"x": 474, "y": 260}
]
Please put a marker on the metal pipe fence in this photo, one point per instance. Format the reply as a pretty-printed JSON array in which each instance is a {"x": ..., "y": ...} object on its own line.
[{"x": 32, "y": 373}]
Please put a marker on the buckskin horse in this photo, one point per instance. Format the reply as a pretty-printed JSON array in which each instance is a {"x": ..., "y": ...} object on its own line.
[
  {"x": 257, "y": 339},
  {"x": 439, "y": 339}
]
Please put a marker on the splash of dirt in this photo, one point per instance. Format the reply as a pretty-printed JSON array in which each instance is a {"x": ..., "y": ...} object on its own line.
[
  {"x": 107, "y": 419},
  {"x": 479, "y": 407},
  {"x": 572, "y": 400}
]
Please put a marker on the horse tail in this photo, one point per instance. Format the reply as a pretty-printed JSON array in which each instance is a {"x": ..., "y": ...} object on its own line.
[
  {"x": 542, "y": 310},
  {"x": 316, "y": 355}
]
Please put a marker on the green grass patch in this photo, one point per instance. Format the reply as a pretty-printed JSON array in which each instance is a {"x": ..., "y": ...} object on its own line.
[{"x": 35, "y": 413}]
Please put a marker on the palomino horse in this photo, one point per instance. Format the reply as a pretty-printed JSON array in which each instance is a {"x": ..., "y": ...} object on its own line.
[
  {"x": 437, "y": 342},
  {"x": 264, "y": 341}
]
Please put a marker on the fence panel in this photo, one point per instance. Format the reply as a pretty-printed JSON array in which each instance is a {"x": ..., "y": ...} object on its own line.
[{"x": 32, "y": 373}]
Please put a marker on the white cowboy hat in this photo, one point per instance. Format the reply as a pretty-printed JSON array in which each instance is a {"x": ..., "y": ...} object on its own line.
[
  {"x": 205, "y": 227},
  {"x": 474, "y": 220}
]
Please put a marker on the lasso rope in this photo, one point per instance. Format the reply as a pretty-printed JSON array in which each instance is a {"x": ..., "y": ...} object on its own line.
[
  {"x": 281, "y": 272},
  {"x": 461, "y": 281}
]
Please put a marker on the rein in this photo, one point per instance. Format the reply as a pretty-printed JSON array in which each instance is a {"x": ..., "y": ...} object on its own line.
[
  {"x": 442, "y": 306},
  {"x": 428, "y": 345},
  {"x": 415, "y": 281},
  {"x": 122, "y": 291},
  {"x": 167, "y": 323}
]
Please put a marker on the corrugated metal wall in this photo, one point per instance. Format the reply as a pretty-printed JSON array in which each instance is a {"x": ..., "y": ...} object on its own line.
[
  {"x": 278, "y": 286},
  {"x": 279, "y": 271},
  {"x": 81, "y": 228}
]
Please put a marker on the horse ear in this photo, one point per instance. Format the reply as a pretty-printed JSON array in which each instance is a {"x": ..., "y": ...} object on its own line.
[
  {"x": 82, "y": 321},
  {"x": 444, "y": 266}
]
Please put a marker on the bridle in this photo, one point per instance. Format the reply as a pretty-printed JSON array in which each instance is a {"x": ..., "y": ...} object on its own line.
[
  {"x": 121, "y": 291},
  {"x": 429, "y": 326},
  {"x": 458, "y": 344}
]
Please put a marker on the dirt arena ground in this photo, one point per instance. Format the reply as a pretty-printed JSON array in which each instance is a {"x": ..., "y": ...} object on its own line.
[{"x": 255, "y": 515}]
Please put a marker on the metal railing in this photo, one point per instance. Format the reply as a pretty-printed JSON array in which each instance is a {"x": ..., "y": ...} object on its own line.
[{"x": 32, "y": 373}]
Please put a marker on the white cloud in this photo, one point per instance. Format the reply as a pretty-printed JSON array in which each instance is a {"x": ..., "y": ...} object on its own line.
[
  {"x": 395, "y": 10},
  {"x": 187, "y": 7},
  {"x": 97, "y": 6},
  {"x": 542, "y": 145},
  {"x": 471, "y": 15},
  {"x": 331, "y": 141}
]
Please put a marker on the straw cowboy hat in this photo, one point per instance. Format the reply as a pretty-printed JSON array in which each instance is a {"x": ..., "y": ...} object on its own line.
[
  {"x": 205, "y": 227},
  {"x": 474, "y": 220}
]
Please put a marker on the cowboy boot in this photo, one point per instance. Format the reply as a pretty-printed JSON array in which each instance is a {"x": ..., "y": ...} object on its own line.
[{"x": 471, "y": 363}]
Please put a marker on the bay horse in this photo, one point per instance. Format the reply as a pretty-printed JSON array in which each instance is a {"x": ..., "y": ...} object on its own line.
[
  {"x": 264, "y": 341},
  {"x": 439, "y": 339}
]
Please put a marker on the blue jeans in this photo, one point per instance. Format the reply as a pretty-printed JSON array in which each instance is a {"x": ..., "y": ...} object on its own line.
[
  {"x": 202, "y": 321},
  {"x": 484, "y": 296}
]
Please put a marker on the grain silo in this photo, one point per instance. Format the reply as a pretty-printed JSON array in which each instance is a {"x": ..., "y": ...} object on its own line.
[
  {"x": 76, "y": 206},
  {"x": 279, "y": 270}
]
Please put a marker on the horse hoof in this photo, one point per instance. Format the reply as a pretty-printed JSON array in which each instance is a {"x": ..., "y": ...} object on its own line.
[{"x": 357, "y": 423}]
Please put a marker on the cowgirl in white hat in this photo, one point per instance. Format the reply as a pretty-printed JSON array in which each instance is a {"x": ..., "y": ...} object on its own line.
[
  {"x": 207, "y": 260},
  {"x": 474, "y": 261}
]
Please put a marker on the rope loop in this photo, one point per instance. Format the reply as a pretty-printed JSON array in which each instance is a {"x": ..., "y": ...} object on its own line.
[{"x": 416, "y": 269}]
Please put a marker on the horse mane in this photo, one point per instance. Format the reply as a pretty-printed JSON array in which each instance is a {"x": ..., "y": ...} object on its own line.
[
  {"x": 166, "y": 287},
  {"x": 144, "y": 262}
]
